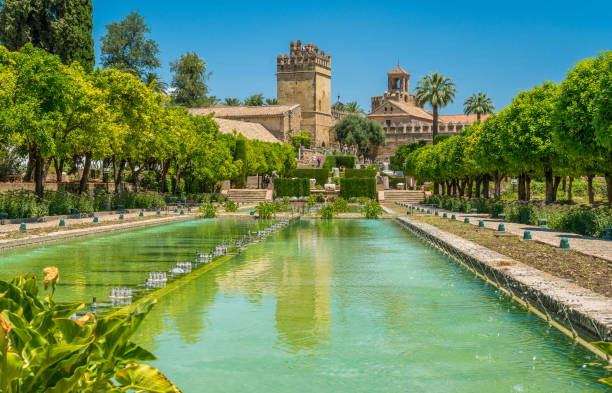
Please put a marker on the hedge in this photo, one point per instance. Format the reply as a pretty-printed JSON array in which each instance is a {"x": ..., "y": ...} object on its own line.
[
  {"x": 321, "y": 174},
  {"x": 240, "y": 154},
  {"x": 337, "y": 161},
  {"x": 291, "y": 187},
  {"x": 357, "y": 187},
  {"x": 360, "y": 173}
]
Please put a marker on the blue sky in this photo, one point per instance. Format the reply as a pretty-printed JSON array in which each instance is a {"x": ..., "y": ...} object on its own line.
[{"x": 497, "y": 48}]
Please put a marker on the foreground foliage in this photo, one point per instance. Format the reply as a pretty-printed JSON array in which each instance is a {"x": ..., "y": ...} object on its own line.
[
  {"x": 43, "y": 350},
  {"x": 372, "y": 209}
]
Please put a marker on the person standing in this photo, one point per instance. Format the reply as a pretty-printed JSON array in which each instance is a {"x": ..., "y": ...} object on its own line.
[{"x": 319, "y": 162}]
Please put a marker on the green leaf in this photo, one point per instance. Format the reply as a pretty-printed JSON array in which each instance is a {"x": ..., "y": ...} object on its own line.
[
  {"x": 69, "y": 384},
  {"x": 146, "y": 378},
  {"x": 607, "y": 381},
  {"x": 605, "y": 347},
  {"x": 133, "y": 352}
]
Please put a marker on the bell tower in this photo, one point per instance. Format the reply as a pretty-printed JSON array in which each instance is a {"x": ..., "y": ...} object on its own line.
[{"x": 304, "y": 77}]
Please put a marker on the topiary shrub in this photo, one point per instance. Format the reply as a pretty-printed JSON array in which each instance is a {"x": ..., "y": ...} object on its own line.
[
  {"x": 285, "y": 187},
  {"x": 360, "y": 172},
  {"x": 320, "y": 174},
  {"x": 358, "y": 187}
]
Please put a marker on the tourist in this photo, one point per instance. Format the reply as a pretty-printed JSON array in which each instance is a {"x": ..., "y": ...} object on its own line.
[{"x": 318, "y": 161}]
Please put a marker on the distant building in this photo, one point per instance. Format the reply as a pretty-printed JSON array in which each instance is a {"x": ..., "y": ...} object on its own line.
[
  {"x": 304, "y": 77},
  {"x": 404, "y": 120},
  {"x": 279, "y": 121}
]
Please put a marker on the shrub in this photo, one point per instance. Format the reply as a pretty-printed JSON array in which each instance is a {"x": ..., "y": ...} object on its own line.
[
  {"x": 356, "y": 187},
  {"x": 327, "y": 212},
  {"x": 285, "y": 187},
  {"x": 340, "y": 205},
  {"x": 43, "y": 349},
  {"x": 231, "y": 206},
  {"x": 360, "y": 172},
  {"x": 240, "y": 154},
  {"x": 138, "y": 200},
  {"x": 372, "y": 209},
  {"x": 208, "y": 210},
  {"x": 336, "y": 161},
  {"x": 320, "y": 174},
  {"x": 265, "y": 210}
]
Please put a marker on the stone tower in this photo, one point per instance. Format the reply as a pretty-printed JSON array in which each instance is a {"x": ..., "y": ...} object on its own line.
[{"x": 304, "y": 77}]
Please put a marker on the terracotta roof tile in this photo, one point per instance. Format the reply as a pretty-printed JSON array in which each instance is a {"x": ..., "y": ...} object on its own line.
[
  {"x": 461, "y": 118},
  {"x": 249, "y": 130},
  {"x": 237, "y": 111}
]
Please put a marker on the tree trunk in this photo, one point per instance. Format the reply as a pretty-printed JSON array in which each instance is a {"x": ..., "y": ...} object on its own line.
[
  {"x": 570, "y": 196},
  {"x": 177, "y": 179},
  {"x": 435, "y": 124},
  {"x": 85, "y": 177},
  {"x": 454, "y": 184},
  {"x": 119, "y": 177},
  {"x": 462, "y": 184},
  {"x": 550, "y": 195},
  {"x": 556, "y": 184},
  {"x": 590, "y": 188},
  {"x": 485, "y": 186},
  {"x": 609, "y": 185},
  {"x": 449, "y": 187},
  {"x": 164, "y": 173},
  {"x": 39, "y": 178},
  {"x": 527, "y": 187},
  {"x": 470, "y": 185},
  {"x": 436, "y": 189},
  {"x": 521, "y": 187},
  {"x": 564, "y": 184},
  {"x": 46, "y": 168},
  {"x": 59, "y": 168},
  {"x": 498, "y": 178}
]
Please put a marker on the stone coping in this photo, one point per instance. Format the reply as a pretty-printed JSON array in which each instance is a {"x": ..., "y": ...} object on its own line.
[
  {"x": 578, "y": 311},
  {"x": 35, "y": 240}
]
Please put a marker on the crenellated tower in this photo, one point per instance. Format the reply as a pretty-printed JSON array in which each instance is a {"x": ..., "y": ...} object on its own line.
[{"x": 304, "y": 77}]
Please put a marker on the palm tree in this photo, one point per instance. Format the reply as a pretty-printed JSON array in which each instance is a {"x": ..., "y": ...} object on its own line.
[
  {"x": 232, "y": 102},
  {"x": 254, "y": 100},
  {"x": 479, "y": 104},
  {"x": 438, "y": 91},
  {"x": 153, "y": 81},
  {"x": 353, "y": 107},
  {"x": 271, "y": 101}
]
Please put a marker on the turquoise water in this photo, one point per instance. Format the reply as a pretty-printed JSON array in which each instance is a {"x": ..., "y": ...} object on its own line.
[{"x": 323, "y": 306}]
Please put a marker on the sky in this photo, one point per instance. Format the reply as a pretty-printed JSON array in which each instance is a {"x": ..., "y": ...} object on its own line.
[{"x": 498, "y": 48}]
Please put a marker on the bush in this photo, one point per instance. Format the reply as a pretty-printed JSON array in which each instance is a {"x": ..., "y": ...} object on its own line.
[
  {"x": 320, "y": 174},
  {"x": 360, "y": 172},
  {"x": 336, "y": 161},
  {"x": 340, "y": 205},
  {"x": 231, "y": 206},
  {"x": 265, "y": 210},
  {"x": 372, "y": 209},
  {"x": 138, "y": 200},
  {"x": 327, "y": 212},
  {"x": 357, "y": 187},
  {"x": 240, "y": 154},
  {"x": 285, "y": 187},
  {"x": 208, "y": 210}
]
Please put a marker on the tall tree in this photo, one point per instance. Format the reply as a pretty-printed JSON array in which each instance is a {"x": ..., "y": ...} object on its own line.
[
  {"x": 154, "y": 81},
  {"x": 254, "y": 100},
  {"x": 271, "y": 101},
  {"x": 189, "y": 80},
  {"x": 232, "y": 102},
  {"x": 125, "y": 46},
  {"x": 358, "y": 131},
  {"x": 353, "y": 107},
  {"x": 438, "y": 91},
  {"x": 479, "y": 104},
  {"x": 61, "y": 27}
]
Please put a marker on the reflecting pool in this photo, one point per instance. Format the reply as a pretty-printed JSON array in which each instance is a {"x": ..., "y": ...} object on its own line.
[{"x": 353, "y": 306}]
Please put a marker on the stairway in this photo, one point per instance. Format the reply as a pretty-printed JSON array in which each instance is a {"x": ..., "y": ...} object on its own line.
[
  {"x": 407, "y": 196},
  {"x": 249, "y": 195}
]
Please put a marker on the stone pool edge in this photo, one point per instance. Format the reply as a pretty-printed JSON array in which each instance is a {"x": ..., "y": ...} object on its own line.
[
  {"x": 574, "y": 310},
  {"x": 75, "y": 233}
]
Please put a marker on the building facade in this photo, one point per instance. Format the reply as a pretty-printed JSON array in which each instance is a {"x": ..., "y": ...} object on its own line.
[
  {"x": 304, "y": 77},
  {"x": 404, "y": 121}
]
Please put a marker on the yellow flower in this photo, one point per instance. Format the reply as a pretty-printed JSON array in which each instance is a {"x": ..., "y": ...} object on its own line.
[
  {"x": 83, "y": 320},
  {"x": 51, "y": 275},
  {"x": 5, "y": 325}
]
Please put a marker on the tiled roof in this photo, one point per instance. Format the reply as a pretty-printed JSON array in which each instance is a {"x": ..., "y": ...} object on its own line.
[
  {"x": 249, "y": 130},
  {"x": 398, "y": 70},
  {"x": 410, "y": 110},
  {"x": 461, "y": 118},
  {"x": 238, "y": 111}
]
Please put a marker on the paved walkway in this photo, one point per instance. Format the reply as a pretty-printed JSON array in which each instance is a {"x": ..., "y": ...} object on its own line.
[{"x": 584, "y": 244}]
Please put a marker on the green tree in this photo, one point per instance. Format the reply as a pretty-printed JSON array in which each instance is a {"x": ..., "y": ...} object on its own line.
[
  {"x": 271, "y": 101},
  {"x": 189, "y": 80},
  {"x": 358, "y": 131},
  {"x": 399, "y": 158},
  {"x": 603, "y": 117},
  {"x": 154, "y": 81},
  {"x": 574, "y": 126},
  {"x": 353, "y": 107},
  {"x": 232, "y": 102},
  {"x": 125, "y": 46},
  {"x": 302, "y": 139},
  {"x": 479, "y": 104},
  {"x": 61, "y": 27},
  {"x": 438, "y": 91},
  {"x": 254, "y": 100}
]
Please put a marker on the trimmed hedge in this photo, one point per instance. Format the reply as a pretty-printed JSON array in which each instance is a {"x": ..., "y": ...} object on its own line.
[
  {"x": 357, "y": 187},
  {"x": 286, "y": 187},
  {"x": 321, "y": 174},
  {"x": 360, "y": 173},
  {"x": 337, "y": 161}
]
